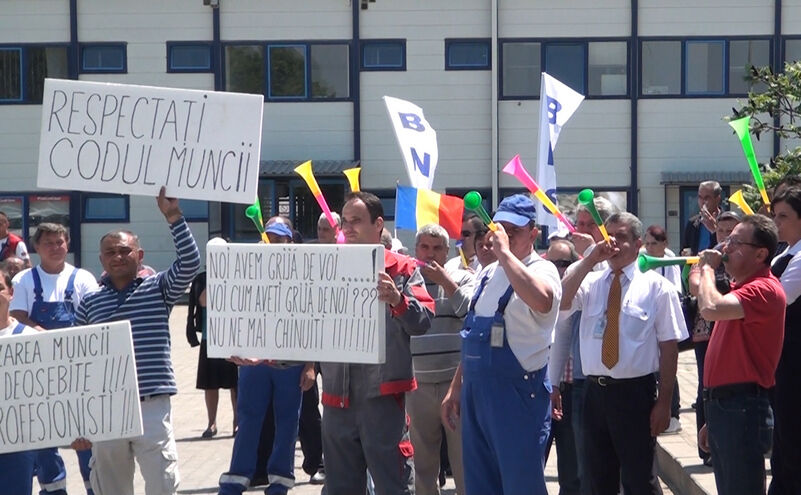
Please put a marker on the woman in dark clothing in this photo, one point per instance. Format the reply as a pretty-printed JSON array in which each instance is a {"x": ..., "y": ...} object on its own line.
[{"x": 212, "y": 374}]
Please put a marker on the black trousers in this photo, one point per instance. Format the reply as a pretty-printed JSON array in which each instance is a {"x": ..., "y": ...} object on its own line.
[
  {"x": 309, "y": 433},
  {"x": 617, "y": 436},
  {"x": 785, "y": 459}
]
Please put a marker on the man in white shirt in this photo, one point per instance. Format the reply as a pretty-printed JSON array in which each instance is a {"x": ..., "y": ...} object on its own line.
[
  {"x": 501, "y": 390},
  {"x": 630, "y": 325},
  {"x": 12, "y": 244},
  {"x": 47, "y": 297}
]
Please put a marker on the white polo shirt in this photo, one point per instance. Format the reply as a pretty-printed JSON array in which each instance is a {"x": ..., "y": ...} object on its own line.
[
  {"x": 529, "y": 332},
  {"x": 791, "y": 278},
  {"x": 650, "y": 313}
]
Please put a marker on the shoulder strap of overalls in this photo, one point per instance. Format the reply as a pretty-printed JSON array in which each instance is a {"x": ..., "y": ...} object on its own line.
[
  {"x": 70, "y": 286},
  {"x": 18, "y": 329},
  {"x": 478, "y": 292},
  {"x": 502, "y": 302},
  {"x": 37, "y": 284}
]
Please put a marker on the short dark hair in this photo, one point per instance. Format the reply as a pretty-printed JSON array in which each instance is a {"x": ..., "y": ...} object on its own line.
[
  {"x": 118, "y": 233},
  {"x": 50, "y": 228},
  {"x": 791, "y": 196},
  {"x": 765, "y": 233},
  {"x": 789, "y": 180},
  {"x": 657, "y": 232},
  {"x": 729, "y": 215},
  {"x": 370, "y": 200}
]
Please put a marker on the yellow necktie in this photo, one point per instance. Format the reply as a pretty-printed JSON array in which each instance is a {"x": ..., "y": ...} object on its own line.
[{"x": 610, "y": 346}]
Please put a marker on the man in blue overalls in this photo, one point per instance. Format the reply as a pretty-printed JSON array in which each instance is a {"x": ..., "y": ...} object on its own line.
[
  {"x": 264, "y": 386},
  {"x": 47, "y": 297},
  {"x": 16, "y": 468},
  {"x": 501, "y": 390}
]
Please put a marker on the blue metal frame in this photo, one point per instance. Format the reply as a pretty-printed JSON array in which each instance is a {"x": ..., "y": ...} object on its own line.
[
  {"x": 74, "y": 212},
  {"x": 25, "y": 98},
  {"x": 122, "y": 69},
  {"x": 544, "y": 42},
  {"x": 683, "y": 67},
  {"x": 306, "y": 71},
  {"x": 198, "y": 69},
  {"x": 196, "y": 218},
  {"x": 724, "y": 45},
  {"x": 126, "y": 218},
  {"x": 383, "y": 67},
  {"x": 485, "y": 42},
  {"x": 21, "y": 76}
]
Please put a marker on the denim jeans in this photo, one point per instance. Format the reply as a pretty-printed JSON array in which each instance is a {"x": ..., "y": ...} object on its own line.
[{"x": 740, "y": 434}]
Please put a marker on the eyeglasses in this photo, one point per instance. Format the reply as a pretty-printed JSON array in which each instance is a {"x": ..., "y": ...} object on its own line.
[
  {"x": 734, "y": 242},
  {"x": 561, "y": 263}
]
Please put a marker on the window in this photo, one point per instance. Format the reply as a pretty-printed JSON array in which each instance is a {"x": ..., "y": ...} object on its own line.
[
  {"x": 565, "y": 62},
  {"x": 592, "y": 68},
  {"x": 521, "y": 69},
  {"x": 194, "y": 210},
  {"x": 703, "y": 72},
  {"x": 244, "y": 69},
  {"x": 700, "y": 67},
  {"x": 290, "y": 71},
  {"x": 661, "y": 67},
  {"x": 383, "y": 55},
  {"x": 23, "y": 70},
  {"x": 467, "y": 54},
  {"x": 744, "y": 54},
  {"x": 792, "y": 50},
  {"x": 107, "y": 58},
  {"x": 99, "y": 208},
  {"x": 607, "y": 68},
  {"x": 188, "y": 57}
]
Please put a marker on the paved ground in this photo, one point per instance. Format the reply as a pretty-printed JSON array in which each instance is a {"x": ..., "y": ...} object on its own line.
[{"x": 202, "y": 461}]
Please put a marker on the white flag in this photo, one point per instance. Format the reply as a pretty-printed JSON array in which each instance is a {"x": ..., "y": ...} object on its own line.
[
  {"x": 417, "y": 141},
  {"x": 557, "y": 104}
]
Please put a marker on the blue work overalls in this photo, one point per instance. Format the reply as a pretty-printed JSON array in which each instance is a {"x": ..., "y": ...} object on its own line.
[
  {"x": 505, "y": 410},
  {"x": 16, "y": 468},
  {"x": 52, "y": 315},
  {"x": 261, "y": 387}
]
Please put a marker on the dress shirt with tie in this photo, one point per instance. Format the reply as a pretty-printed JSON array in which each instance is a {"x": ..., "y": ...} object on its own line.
[{"x": 650, "y": 313}]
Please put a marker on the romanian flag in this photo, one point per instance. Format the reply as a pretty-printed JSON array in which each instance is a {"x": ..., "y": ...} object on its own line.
[{"x": 417, "y": 207}]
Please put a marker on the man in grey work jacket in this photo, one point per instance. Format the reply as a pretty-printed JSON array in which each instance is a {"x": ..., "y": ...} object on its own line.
[{"x": 364, "y": 420}]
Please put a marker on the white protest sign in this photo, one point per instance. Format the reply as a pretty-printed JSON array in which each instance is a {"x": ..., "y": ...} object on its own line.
[
  {"x": 60, "y": 385},
  {"x": 295, "y": 302},
  {"x": 127, "y": 139},
  {"x": 417, "y": 141}
]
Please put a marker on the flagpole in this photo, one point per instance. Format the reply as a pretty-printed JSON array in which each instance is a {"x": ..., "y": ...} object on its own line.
[{"x": 494, "y": 158}]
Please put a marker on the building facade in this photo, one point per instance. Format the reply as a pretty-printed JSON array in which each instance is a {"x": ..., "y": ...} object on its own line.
[{"x": 658, "y": 75}]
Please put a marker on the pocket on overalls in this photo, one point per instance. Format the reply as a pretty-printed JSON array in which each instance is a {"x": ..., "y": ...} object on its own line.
[{"x": 475, "y": 348}]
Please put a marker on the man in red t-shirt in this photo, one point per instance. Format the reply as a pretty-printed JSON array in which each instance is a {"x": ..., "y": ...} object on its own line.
[{"x": 742, "y": 357}]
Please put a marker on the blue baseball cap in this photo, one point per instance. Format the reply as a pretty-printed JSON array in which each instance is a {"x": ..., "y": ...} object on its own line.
[
  {"x": 518, "y": 210},
  {"x": 280, "y": 229}
]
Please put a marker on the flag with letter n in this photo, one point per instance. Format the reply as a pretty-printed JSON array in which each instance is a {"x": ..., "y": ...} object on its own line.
[
  {"x": 417, "y": 141},
  {"x": 557, "y": 104}
]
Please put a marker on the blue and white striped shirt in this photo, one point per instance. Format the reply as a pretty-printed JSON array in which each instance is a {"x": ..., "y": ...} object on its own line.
[{"x": 147, "y": 304}]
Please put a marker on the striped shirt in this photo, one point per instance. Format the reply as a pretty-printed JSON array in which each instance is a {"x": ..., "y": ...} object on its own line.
[{"x": 147, "y": 304}]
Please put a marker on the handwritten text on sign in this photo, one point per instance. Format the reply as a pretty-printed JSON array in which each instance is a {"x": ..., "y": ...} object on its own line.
[
  {"x": 295, "y": 302},
  {"x": 60, "y": 385},
  {"x": 134, "y": 139}
]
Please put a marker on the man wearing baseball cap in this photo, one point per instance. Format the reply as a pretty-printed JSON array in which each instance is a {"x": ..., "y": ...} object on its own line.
[{"x": 501, "y": 390}]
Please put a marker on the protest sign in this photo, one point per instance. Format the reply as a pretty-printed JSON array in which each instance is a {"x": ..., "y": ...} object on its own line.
[
  {"x": 127, "y": 139},
  {"x": 295, "y": 302},
  {"x": 60, "y": 385}
]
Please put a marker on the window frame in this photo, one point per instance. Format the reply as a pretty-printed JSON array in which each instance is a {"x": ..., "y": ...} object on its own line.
[
  {"x": 450, "y": 42},
  {"x": 363, "y": 44},
  {"x": 784, "y": 40},
  {"x": 126, "y": 218},
  {"x": 308, "y": 98},
  {"x": 585, "y": 42},
  {"x": 189, "y": 70},
  {"x": 123, "y": 46},
  {"x": 683, "y": 64},
  {"x": 196, "y": 218},
  {"x": 25, "y": 65}
]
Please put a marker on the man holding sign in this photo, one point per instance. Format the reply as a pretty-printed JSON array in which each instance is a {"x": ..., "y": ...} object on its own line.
[
  {"x": 147, "y": 304},
  {"x": 364, "y": 422}
]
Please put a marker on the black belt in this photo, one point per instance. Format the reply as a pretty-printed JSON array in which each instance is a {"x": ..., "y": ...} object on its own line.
[
  {"x": 733, "y": 390},
  {"x": 608, "y": 380},
  {"x": 145, "y": 398}
]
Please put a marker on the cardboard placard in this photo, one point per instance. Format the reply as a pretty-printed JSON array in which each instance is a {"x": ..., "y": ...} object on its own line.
[
  {"x": 120, "y": 138},
  {"x": 60, "y": 385},
  {"x": 295, "y": 302}
]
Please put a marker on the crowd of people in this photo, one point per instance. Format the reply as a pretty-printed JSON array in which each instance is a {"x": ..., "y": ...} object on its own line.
[{"x": 492, "y": 356}]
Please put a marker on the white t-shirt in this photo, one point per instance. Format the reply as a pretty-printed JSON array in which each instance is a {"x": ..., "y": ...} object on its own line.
[
  {"x": 22, "y": 249},
  {"x": 9, "y": 330},
  {"x": 529, "y": 332},
  {"x": 53, "y": 287},
  {"x": 455, "y": 263}
]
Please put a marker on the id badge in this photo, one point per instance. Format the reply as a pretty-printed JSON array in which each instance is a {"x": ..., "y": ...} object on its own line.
[
  {"x": 598, "y": 332},
  {"x": 496, "y": 336}
]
